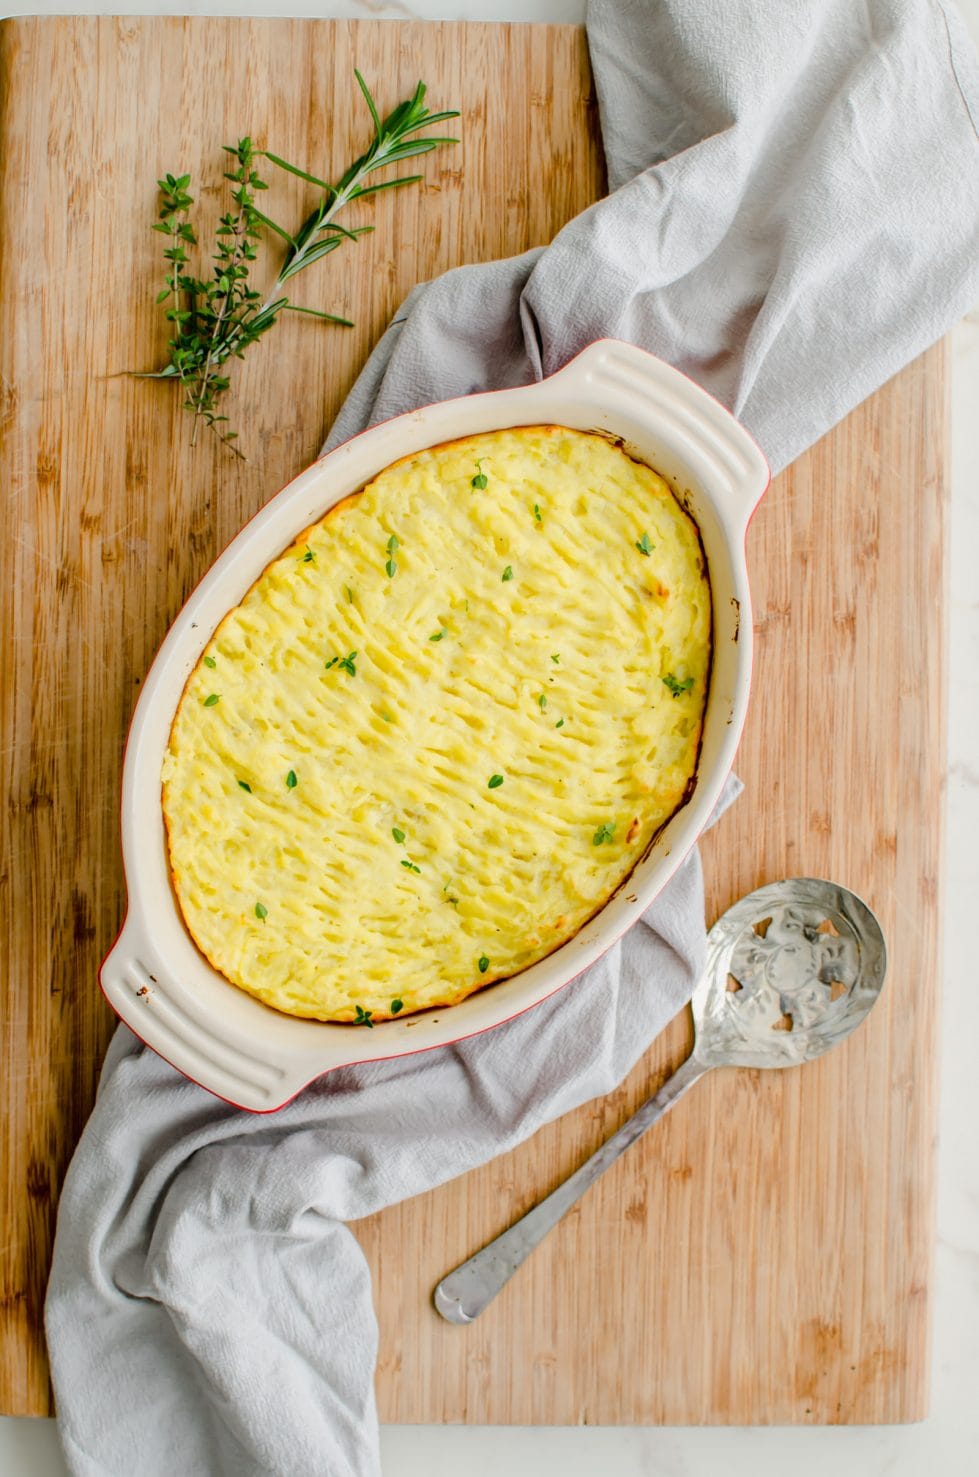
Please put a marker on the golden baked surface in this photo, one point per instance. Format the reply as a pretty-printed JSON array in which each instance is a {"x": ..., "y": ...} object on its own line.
[{"x": 442, "y": 727}]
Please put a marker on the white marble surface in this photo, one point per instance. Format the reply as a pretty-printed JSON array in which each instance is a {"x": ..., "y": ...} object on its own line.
[{"x": 947, "y": 1443}]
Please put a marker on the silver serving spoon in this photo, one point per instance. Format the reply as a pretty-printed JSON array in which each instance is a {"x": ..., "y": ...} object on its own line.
[{"x": 791, "y": 970}]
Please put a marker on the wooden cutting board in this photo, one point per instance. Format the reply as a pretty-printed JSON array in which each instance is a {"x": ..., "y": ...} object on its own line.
[{"x": 765, "y": 1255}]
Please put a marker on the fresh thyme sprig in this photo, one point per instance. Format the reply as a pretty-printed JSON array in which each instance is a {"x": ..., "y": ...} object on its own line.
[{"x": 216, "y": 317}]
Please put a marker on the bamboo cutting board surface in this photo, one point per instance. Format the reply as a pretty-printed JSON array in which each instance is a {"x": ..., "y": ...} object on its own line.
[{"x": 765, "y": 1254}]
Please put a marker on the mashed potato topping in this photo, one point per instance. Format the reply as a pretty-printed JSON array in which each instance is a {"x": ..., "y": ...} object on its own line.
[{"x": 442, "y": 727}]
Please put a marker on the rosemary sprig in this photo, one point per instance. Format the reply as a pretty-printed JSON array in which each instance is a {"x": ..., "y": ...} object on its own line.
[{"x": 217, "y": 317}]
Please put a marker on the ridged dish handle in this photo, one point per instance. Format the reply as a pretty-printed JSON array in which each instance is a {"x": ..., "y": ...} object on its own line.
[
  {"x": 138, "y": 986},
  {"x": 704, "y": 432}
]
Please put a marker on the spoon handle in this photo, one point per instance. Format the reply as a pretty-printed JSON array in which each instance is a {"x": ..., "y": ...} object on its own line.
[{"x": 463, "y": 1294}]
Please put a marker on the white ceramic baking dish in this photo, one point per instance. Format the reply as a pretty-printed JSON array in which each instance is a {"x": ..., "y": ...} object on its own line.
[{"x": 154, "y": 976}]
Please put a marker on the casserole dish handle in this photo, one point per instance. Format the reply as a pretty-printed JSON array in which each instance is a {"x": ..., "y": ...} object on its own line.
[
  {"x": 704, "y": 434},
  {"x": 136, "y": 983}
]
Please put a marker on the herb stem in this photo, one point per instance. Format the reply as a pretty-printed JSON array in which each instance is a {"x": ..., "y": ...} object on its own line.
[
  {"x": 175, "y": 284},
  {"x": 238, "y": 230},
  {"x": 387, "y": 147}
]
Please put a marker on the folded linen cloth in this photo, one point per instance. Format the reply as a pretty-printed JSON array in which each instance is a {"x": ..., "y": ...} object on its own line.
[{"x": 795, "y": 215}]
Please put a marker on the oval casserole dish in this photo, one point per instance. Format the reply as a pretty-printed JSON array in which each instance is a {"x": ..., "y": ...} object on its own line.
[{"x": 156, "y": 979}]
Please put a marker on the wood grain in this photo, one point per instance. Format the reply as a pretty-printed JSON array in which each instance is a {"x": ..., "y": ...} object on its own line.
[{"x": 766, "y": 1254}]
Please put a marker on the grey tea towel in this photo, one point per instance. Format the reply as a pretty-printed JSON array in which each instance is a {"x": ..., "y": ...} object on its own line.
[{"x": 794, "y": 216}]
